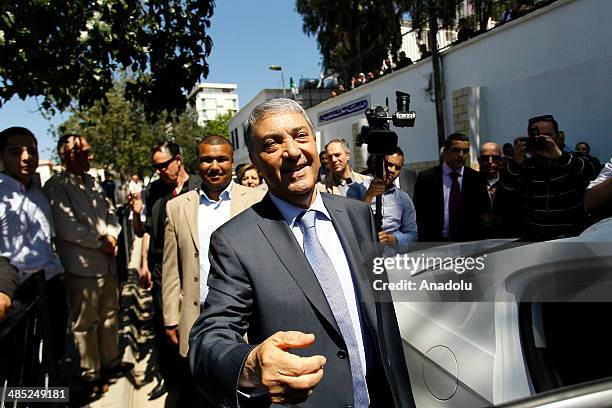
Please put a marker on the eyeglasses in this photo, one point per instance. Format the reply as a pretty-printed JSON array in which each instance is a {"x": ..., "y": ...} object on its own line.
[
  {"x": 486, "y": 157},
  {"x": 163, "y": 166}
]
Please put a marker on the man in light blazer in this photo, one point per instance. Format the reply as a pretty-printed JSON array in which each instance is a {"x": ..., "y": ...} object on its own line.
[
  {"x": 191, "y": 218},
  {"x": 290, "y": 273}
]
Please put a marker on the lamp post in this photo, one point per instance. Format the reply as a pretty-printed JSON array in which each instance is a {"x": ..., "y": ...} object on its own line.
[{"x": 279, "y": 68}]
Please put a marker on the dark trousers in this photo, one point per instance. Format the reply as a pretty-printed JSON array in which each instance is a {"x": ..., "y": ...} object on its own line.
[
  {"x": 167, "y": 354},
  {"x": 182, "y": 391},
  {"x": 58, "y": 314}
]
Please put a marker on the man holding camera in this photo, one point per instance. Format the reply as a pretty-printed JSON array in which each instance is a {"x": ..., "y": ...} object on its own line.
[
  {"x": 399, "y": 225},
  {"x": 542, "y": 189}
]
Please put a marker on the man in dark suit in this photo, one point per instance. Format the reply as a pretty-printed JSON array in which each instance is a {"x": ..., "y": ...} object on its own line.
[
  {"x": 8, "y": 285},
  {"x": 407, "y": 180},
  {"x": 317, "y": 337},
  {"x": 450, "y": 198}
]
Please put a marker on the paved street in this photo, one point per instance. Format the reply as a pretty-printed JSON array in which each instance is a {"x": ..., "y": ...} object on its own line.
[{"x": 136, "y": 339}]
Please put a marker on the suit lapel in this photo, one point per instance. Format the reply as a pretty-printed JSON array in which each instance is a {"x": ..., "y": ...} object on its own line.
[
  {"x": 236, "y": 203},
  {"x": 191, "y": 216},
  {"x": 284, "y": 244},
  {"x": 350, "y": 244}
]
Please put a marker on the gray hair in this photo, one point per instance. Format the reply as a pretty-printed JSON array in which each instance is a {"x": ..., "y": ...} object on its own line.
[
  {"x": 270, "y": 107},
  {"x": 343, "y": 142}
]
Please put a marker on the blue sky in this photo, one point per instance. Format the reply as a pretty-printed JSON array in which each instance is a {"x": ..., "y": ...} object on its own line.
[{"x": 247, "y": 38}]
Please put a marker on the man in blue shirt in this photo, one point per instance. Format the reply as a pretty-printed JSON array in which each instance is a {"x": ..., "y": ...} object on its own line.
[
  {"x": 26, "y": 231},
  {"x": 399, "y": 225}
]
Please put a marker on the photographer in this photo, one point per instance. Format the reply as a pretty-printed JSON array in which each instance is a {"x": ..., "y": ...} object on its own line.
[
  {"x": 399, "y": 225},
  {"x": 542, "y": 188}
]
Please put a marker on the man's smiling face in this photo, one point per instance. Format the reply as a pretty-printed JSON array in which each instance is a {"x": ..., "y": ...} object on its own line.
[{"x": 285, "y": 152}]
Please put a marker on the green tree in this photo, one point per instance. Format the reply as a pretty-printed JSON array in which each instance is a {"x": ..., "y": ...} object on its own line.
[
  {"x": 353, "y": 35},
  {"x": 218, "y": 126},
  {"x": 357, "y": 35},
  {"x": 121, "y": 135},
  {"x": 71, "y": 51}
]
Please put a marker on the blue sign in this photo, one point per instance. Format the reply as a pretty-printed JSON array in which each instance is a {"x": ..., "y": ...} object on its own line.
[{"x": 340, "y": 112}]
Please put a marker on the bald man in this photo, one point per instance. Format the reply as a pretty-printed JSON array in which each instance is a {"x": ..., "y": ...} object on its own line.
[{"x": 489, "y": 160}]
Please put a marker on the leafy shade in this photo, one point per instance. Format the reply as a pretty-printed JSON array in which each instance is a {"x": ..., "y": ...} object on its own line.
[
  {"x": 353, "y": 35},
  {"x": 71, "y": 51},
  {"x": 121, "y": 136},
  {"x": 357, "y": 35}
]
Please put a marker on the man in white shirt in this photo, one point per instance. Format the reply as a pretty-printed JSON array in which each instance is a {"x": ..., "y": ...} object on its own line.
[
  {"x": 26, "y": 228},
  {"x": 598, "y": 197}
]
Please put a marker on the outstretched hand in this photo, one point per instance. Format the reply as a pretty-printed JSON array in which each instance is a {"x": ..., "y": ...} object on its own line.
[{"x": 286, "y": 378}]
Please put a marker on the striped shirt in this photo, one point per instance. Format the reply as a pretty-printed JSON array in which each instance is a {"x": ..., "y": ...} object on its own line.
[{"x": 545, "y": 196}]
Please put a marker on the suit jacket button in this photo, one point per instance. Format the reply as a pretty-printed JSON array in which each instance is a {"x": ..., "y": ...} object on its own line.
[
  {"x": 195, "y": 303},
  {"x": 197, "y": 254},
  {"x": 195, "y": 278},
  {"x": 342, "y": 354}
]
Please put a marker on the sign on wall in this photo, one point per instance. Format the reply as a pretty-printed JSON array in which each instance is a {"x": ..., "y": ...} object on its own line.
[{"x": 343, "y": 111}]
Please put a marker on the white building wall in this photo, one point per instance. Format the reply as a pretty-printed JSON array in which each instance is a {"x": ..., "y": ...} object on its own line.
[
  {"x": 419, "y": 143},
  {"x": 556, "y": 60}
]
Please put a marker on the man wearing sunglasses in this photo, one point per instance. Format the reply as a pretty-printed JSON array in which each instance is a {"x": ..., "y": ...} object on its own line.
[
  {"x": 148, "y": 223},
  {"x": 490, "y": 159}
]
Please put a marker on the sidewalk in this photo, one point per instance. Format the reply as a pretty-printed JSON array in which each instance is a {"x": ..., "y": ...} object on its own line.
[{"x": 136, "y": 339}]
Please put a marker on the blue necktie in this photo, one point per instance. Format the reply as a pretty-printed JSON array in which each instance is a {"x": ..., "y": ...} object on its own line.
[{"x": 328, "y": 279}]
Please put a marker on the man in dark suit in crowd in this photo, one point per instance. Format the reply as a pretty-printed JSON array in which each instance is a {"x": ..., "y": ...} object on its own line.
[
  {"x": 450, "y": 198},
  {"x": 316, "y": 335},
  {"x": 407, "y": 181}
]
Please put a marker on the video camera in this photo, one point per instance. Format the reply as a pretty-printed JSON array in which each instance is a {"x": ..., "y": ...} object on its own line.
[
  {"x": 378, "y": 137},
  {"x": 380, "y": 140}
]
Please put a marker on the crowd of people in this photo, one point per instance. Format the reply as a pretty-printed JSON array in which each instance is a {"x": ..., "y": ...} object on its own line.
[
  {"x": 256, "y": 283},
  {"x": 387, "y": 67}
]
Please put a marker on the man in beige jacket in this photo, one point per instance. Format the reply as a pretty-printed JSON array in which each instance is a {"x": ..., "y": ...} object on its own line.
[
  {"x": 86, "y": 237},
  {"x": 191, "y": 219},
  {"x": 341, "y": 175}
]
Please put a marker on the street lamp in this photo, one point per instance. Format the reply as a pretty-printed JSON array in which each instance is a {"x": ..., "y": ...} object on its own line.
[{"x": 279, "y": 68}]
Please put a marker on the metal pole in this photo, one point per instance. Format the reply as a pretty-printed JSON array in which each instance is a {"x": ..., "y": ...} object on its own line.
[
  {"x": 437, "y": 72},
  {"x": 283, "y": 82}
]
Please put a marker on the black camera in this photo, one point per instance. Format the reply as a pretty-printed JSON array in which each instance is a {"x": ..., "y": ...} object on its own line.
[
  {"x": 534, "y": 142},
  {"x": 376, "y": 135}
]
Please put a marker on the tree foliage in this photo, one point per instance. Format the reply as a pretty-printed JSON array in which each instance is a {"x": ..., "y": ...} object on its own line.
[
  {"x": 218, "y": 126},
  {"x": 353, "y": 35},
  {"x": 71, "y": 51},
  {"x": 447, "y": 11},
  {"x": 121, "y": 135},
  {"x": 357, "y": 35}
]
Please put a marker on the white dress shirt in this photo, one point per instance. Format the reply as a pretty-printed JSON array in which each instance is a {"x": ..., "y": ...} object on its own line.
[
  {"x": 447, "y": 182},
  {"x": 26, "y": 229},
  {"x": 211, "y": 215},
  {"x": 331, "y": 243},
  {"x": 605, "y": 174}
]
